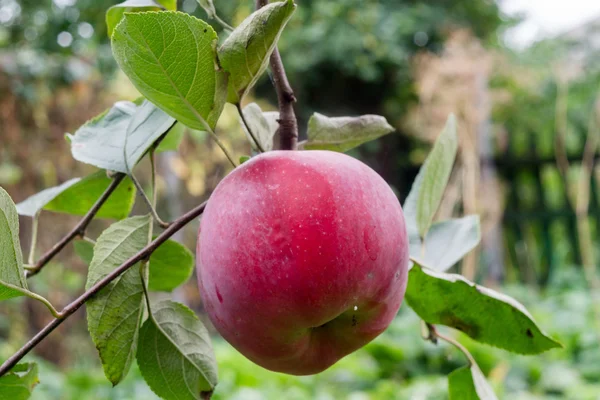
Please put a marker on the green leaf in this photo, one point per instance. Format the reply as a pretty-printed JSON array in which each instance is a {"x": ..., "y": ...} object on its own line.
[
  {"x": 117, "y": 139},
  {"x": 428, "y": 188},
  {"x": 19, "y": 382},
  {"x": 115, "y": 313},
  {"x": 77, "y": 196},
  {"x": 264, "y": 125},
  {"x": 85, "y": 250},
  {"x": 173, "y": 139},
  {"x": 170, "y": 57},
  {"x": 170, "y": 265},
  {"x": 481, "y": 313},
  {"x": 209, "y": 7},
  {"x": 175, "y": 354},
  {"x": 12, "y": 276},
  {"x": 446, "y": 242},
  {"x": 468, "y": 383},
  {"x": 115, "y": 13},
  {"x": 243, "y": 159},
  {"x": 245, "y": 53},
  {"x": 344, "y": 133}
]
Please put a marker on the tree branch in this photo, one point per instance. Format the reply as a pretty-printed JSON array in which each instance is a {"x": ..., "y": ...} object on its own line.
[
  {"x": 77, "y": 303},
  {"x": 78, "y": 230},
  {"x": 288, "y": 124}
]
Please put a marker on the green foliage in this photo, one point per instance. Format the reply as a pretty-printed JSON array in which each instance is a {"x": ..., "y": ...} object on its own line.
[
  {"x": 344, "y": 133},
  {"x": 245, "y": 53},
  {"x": 468, "y": 383},
  {"x": 117, "y": 139},
  {"x": 173, "y": 138},
  {"x": 175, "y": 354},
  {"x": 263, "y": 125},
  {"x": 12, "y": 276},
  {"x": 19, "y": 382},
  {"x": 114, "y": 314},
  {"x": 170, "y": 57},
  {"x": 85, "y": 250},
  {"x": 171, "y": 265},
  {"x": 428, "y": 188},
  {"x": 481, "y": 313},
  {"x": 115, "y": 13},
  {"x": 78, "y": 195}
]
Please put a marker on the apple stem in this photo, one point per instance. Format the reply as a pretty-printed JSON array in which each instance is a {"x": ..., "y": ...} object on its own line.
[{"x": 288, "y": 124}]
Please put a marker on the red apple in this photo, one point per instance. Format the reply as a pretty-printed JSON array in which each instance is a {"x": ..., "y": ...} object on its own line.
[{"x": 302, "y": 258}]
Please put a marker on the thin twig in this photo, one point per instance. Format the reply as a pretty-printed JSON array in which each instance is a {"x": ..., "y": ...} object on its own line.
[
  {"x": 224, "y": 24},
  {"x": 70, "y": 309},
  {"x": 149, "y": 203},
  {"x": 34, "y": 233},
  {"x": 78, "y": 230},
  {"x": 434, "y": 335},
  {"x": 288, "y": 124},
  {"x": 256, "y": 142}
]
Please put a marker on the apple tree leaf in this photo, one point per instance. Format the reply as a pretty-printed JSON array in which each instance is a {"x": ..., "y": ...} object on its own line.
[
  {"x": 85, "y": 250},
  {"x": 171, "y": 58},
  {"x": 429, "y": 186},
  {"x": 12, "y": 276},
  {"x": 344, "y": 133},
  {"x": 114, "y": 314},
  {"x": 209, "y": 7},
  {"x": 171, "y": 264},
  {"x": 245, "y": 53},
  {"x": 469, "y": 383},
  {"x": 483, "y": 314},
  {"x": 115, "y": 13},
  {"x": 173, "y": 139},
  {"x": 117, "y": 139},
  {"x": 263, "y": 125},
  {"x": 175, "y": 354},
  {"x": 19, "y": 382}
]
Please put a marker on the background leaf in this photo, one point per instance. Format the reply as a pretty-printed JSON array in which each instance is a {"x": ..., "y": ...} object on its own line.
[
  {"x": 12, "y": 277},
  {"x": 170, "y": 265},
  {"x": 468, "y": 383},
  {"x": 170, "y": 57},
  {"x": 173, "y": 138},
  {"x": 481, "y": 313},
  {"x": 428, "y": 188},
  {"x": 344, "y": 133},
  {"x": 115, "y": 13},
  {"x": 264, "y": 125},
  {"x": 33, "y": 204},
  {"x": 114, "y": 314},
  {"x": 117, "y": 139},
  {"x": 446, "y": 242},
  {"x": 209, "y": 7},
  {"x": 245, "y": 53},
  {"x": 85, "y": 250},
  {"x": 175, "y": 354},
  {"x": 19, "y": 382}
]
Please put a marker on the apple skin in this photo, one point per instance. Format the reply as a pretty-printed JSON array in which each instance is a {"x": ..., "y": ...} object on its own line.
[{"x": 302, "y": 258}]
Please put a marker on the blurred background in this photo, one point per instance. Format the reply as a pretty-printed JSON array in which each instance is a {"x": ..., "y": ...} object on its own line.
[{"x": 521, "y": 75}]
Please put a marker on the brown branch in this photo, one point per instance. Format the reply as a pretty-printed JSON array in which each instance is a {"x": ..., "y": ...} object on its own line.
[
  {"x": 77, "y": 303},
  {"x": 288, "y": 124},
  {"x": 78, "y": 230}
]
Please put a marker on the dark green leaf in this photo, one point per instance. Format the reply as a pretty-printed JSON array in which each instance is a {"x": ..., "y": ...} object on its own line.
[
  {"x": 85, "y": 250},
  {"x": 446, "y": 242},
  {"x": 170, "y": 265},
  {"x": 19, "y": 382},
  {"x": 170, "y": 57},
  {"x": 245, "y": 53},
  {"x": 115, "y": 13},
  {"x": 468, "y": 383},
  {"x": 344, "y": 133},
  {"x": 115, "y": 313},
  {"x": 175, "y": 354},
  {"x": 481, "y": 313},
  {"x": 173, "y": 139},
  {"x": 264, "y": 125},
  {"x": 12, "y": 276},
  {"x": 117, "y": 139},
  {"x": 428, "y": 188}
]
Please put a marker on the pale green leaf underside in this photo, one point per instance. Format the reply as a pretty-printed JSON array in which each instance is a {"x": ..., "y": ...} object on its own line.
[
  {"x": 19, "y": 382},
  {"x": 245, "y": 53},
  {"x": 175, "y": 354},
  {"x": 481, "y": 313},
  {"x": 344, "y": 133},
  {"x": 115, "y": 313},
  {"x": 33, "y": 204},
  {"x": 170, "y": 57},
  {"x": 12, "y": 276},
  {"x": 446, "y": 242},
  {"x": 115, "y": 13},
  {"x": 117, "y": 139},
  {"x": 469, "y": 383},
  {"x": 264, "y": 125},
  {"x": 429, "y": 186},
  {"x": 209, "y": 7},
  {"x": 170, "y": 265}
]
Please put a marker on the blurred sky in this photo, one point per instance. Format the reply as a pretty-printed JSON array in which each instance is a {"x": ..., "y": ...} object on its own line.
[{"x": 546, "y": 18}]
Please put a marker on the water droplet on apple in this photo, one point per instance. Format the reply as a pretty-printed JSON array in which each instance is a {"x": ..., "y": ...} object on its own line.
[{"x": 355, "y": 308}]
